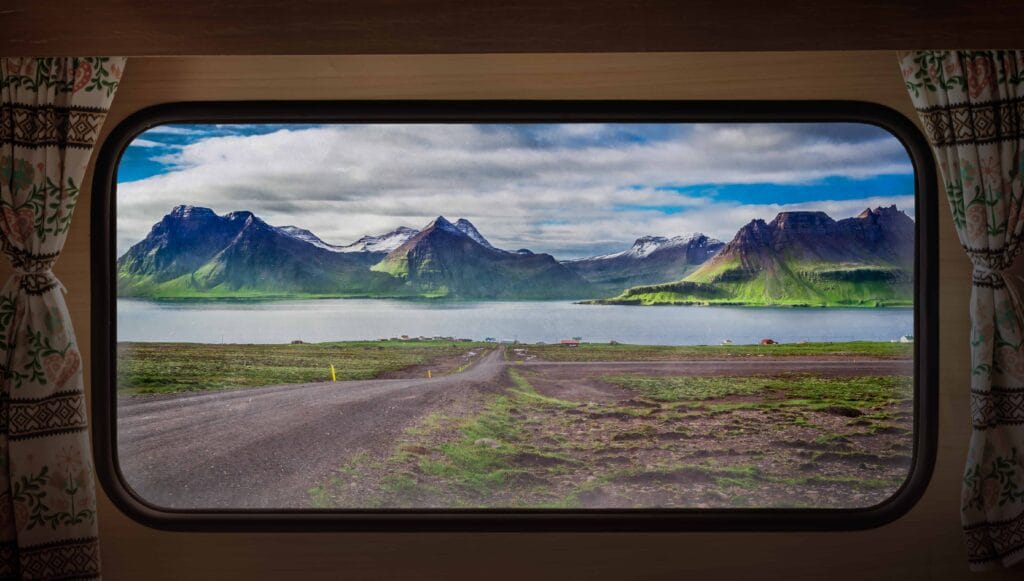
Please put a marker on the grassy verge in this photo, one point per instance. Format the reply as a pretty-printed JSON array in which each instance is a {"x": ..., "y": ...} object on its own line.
[
  {"x": 608, "y": 352},
  {"x": 793, "y": 389},
  {"x": 147, "y": 368},
  {"x": 491, "y": 446},
  {"x": 480, "y": 455}
]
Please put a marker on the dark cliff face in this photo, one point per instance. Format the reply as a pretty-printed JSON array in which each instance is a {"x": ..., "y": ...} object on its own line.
[
  {"x": 790, "y": 227},
  {"x": 756, "y": 234},
  {"x": 875, "y": 236},
  {"x": 181, "y": 242},
  {"x": 886, "y": 232},
  {"x": 701, "y": 248}
]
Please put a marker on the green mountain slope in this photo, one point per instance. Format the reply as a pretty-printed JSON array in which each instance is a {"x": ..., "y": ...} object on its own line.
[
  {"x": 195, "y": 254},
  {"x": 443, "y": 260},
  {"x": 801, "y": 259},
  {"x": 651, "y": 259}
]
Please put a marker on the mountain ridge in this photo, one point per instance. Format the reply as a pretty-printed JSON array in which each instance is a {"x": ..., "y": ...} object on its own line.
[
  {"x": 798, "y": 258},
  {"x": 801, "y": 258},
  {"x": 650, "y": 259},
  {"x": 449, "y": 260},
  {"x": 194, "y": 252}
]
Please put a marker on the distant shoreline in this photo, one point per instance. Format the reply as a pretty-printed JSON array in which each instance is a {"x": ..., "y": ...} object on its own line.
[{"x": 450, "y": 300}]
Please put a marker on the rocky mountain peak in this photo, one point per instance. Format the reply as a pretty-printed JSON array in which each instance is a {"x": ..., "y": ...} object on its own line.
[
  {"x": 189, "y": 212},
  {"x": 882, "y": 212},
  {"x": 467, "y": 228},
  {"x": 802, "y": 222},
  {"x": 754, "y": 234},
  {"x": 241, "y": 216},
  {"x": 442, "y": 223},
  {"x": 875, "y": 236},
  {"x": 306, "y": 236},
  {"x": 297, "y": 232}
]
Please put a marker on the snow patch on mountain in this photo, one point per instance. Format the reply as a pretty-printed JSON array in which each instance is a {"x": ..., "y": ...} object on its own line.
[
  {"x": 467, "y": 228},
  {"x": 306, "y": 236},
  {"x": 383, "y": 243},
  {"x": 647, "y": 245}
]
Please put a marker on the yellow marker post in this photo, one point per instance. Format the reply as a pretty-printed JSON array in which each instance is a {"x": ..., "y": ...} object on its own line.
[
  {"x": 333, "y": 376},
  {"x": 429, "y": 375}
]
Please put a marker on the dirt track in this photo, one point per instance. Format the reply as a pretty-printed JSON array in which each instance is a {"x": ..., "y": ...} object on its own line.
[{"x": 264, "y": 447}]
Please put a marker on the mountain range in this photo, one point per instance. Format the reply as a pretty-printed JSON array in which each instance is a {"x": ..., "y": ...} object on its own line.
[
  {"x": 193, "y": 252},
  {"x": 455, "y": 260},
  {"x": 651, "y": 259},
  {"x": 801, "y": 259},
  {"x": 797, "y": 258}
]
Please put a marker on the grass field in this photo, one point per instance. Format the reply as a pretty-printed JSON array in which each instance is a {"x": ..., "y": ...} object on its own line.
[
  {"x": 796, "y": 389},
  {"x": 608, "y": 352},
  {"x": 148, "y": 368}
]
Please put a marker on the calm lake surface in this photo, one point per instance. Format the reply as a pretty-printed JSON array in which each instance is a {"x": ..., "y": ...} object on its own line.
[{"x": 530, "y": 322}]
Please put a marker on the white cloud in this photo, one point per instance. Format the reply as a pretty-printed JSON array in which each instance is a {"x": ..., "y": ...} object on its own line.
[
  {"x": 559, "y": 189},
  {"x": 174, "y": 130},
  {"x": 148, "y": 143}
]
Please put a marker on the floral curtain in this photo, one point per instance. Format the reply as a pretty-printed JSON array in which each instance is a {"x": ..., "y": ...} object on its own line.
[
  {"x": 971, "y": 104},
  {"x": 51, "y": 111}
]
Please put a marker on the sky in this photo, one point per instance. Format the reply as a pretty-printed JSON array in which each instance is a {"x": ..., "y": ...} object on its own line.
[{"x": 571, "y": 190}]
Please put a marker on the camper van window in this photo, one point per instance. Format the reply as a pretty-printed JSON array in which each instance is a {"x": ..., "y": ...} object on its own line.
[{"x": 626, "y": 316}]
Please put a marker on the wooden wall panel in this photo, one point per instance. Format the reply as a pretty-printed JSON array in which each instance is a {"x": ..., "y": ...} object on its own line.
[
  {"x": 202, "y": 27},
  {"x": 925, "y": 544}
]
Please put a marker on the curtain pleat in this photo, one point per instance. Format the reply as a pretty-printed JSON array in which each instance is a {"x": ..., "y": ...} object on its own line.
[
  {"x": 51, "y": 112},
  {"x": 971, "y": 104}
]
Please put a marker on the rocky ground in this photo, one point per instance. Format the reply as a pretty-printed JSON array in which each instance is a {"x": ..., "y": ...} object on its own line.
[{"x": 799, "y": 433}]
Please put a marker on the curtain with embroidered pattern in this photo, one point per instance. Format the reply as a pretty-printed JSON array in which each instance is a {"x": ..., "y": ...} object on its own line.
[
  {"x": 51, "y": 112},
  {"x": 971, "y": 104}
]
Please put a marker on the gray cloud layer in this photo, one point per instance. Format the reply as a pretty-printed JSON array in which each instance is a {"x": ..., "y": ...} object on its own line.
[{"x": 557, "y": 189}]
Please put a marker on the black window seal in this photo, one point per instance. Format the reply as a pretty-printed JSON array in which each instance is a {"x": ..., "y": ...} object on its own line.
[{"x": 104, "y": 353}]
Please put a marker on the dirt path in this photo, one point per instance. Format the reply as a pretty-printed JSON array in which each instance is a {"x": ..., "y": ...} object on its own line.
[{"x": 264, "y": 447}]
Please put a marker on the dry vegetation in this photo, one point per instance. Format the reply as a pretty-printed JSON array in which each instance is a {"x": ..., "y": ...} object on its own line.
[{"x": 579, "y": 438}]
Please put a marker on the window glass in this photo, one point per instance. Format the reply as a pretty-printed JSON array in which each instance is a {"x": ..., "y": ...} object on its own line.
[{"x": 529, "y": 315}]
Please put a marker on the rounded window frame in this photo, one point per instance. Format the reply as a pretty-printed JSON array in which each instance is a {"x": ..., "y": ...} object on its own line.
[{"x": 104, "y": 353}]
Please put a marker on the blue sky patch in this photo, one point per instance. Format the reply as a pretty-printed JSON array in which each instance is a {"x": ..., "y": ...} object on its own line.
[{"x": 830, "y": 188}]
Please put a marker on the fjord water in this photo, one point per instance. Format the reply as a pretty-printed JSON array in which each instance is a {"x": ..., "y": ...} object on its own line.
[{"x": 525, "y": 321}]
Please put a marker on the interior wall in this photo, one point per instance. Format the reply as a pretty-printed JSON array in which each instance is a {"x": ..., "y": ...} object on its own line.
[
  {"x": 262, "y": 27},
  {"x": 924, "y": 544}
]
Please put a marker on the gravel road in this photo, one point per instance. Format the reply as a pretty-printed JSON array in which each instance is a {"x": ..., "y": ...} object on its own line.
[{"x": 264, "y": 447}]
